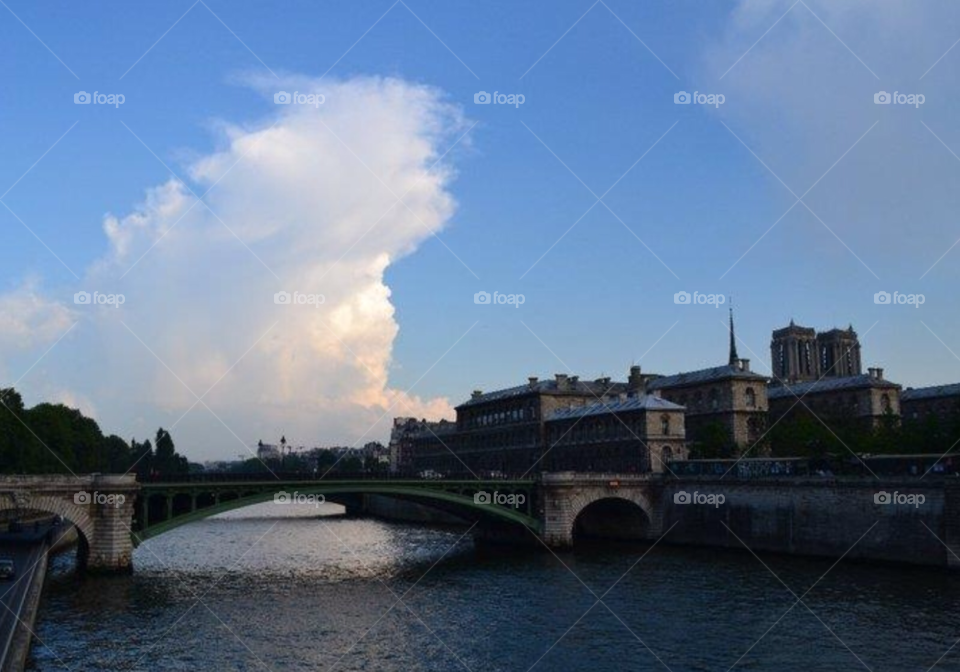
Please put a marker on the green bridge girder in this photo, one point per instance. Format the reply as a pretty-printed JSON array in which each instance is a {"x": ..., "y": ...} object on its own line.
[{"x": 457, "y": 494}]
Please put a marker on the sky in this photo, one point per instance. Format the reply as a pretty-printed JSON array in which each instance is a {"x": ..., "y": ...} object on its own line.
[{"x": 387, "y": 197}]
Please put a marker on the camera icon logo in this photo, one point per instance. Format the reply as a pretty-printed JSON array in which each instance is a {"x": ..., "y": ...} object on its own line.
[
  {"x": 882, "y": 497},
  {"x": 281, "y": 498},
  {"x": 81, "y": 298},
  {"x": 81, "y": 497},
  {"x": 881, "y": 98},
  {"x": 481, "y": 497},
  {"x": 281, "y": 98},
  {"x": 81, "y": 98},
  {"x": 682, "y": 497},
  {"x": 481, "y": 98},
  {"x": 681, "y": 98},
  {"x": 481, "y": 297},
  {"x": 282, "y": 298},
  {"x": 682, "y": 298},
  {"x": 882, "y": 298}
]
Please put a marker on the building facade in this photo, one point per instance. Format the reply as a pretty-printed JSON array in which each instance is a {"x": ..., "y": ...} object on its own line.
[
  {"x": 940, "y": 401},
  {"x": 730, "y": 399},
  {"x": 800, "y": 354},
  {"x": 867, "y": 399},
  {"x": 507, "y": 431}
]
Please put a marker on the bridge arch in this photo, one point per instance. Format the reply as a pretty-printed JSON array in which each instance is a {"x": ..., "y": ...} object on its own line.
[
  {"x": 55, "y": 505},
  {"x": 614, "y": 516},
  {"x": 451, "y": 501}
]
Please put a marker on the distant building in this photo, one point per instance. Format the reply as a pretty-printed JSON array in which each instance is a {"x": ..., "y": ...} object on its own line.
[
  {"x": 267, "y": 451},
  {"x": 940, "y": 401},
  {"x": 800, "y": 354},
  {"x": 731, "y": 397},
  {"x": 822, "y": 373},
  {"x": 506, "y": 431},
  {"x": 868, "y": 399},
  {"x": 633, "y": 434}
]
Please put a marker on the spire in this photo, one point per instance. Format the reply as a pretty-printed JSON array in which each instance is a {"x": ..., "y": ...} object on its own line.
[{"x": 734, "y": 359}]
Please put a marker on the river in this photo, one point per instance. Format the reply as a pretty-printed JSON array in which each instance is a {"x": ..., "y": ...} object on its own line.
[{"x": 300, "y": 588}]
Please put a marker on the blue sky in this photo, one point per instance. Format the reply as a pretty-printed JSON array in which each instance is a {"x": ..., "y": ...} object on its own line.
[{"x": 598, "y": 82}]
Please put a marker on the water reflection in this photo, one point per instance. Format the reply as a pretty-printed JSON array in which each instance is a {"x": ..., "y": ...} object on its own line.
[{"x": 303, "y": 589}]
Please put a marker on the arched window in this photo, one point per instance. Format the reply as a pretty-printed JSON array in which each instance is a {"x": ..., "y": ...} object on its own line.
[
  {"x": 751, "y": 398},
  {"x": 885, "y": 402},
  {"x": 664, "y": 424}
]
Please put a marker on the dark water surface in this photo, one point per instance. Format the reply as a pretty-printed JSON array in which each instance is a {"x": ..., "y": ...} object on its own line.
[{"x": 258, "y": 589}]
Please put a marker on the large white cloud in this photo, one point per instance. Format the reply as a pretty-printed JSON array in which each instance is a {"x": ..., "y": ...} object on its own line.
[{"x": 303, "y": 201}]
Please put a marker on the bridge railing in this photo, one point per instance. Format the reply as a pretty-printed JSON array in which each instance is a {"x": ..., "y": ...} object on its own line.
[
  {"x": 790, "y": 467},
  {"x": 320, "y": 476}
]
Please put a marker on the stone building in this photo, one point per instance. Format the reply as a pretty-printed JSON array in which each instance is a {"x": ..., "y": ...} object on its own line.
[
  {"x": 635, "y": 434},
  {"x": 732, "y": 398},
  {"x": 942, "y": 401},
  {"x": 505, "y": 431},
  {"x": 867, "y": 399},
  {"x": 407, "y": 433},
  {"x": 800, "y": 354},
  {"x": 824, "y": 370}
]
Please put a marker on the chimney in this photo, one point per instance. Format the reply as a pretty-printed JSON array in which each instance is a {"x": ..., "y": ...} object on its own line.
[
  {"x": 879, "y": 373},
  {"x": 744, "y": 364},
  {"x": 657, "y": 393},
  {"x": 635, "y": 381},
  {"x": 477, "y": 394},
  {"x": 533, "y": 381},
  {"x": 872, "y": 372},
  {"x": 574, "y": 380},
  {"x": 561, "y": 381}
]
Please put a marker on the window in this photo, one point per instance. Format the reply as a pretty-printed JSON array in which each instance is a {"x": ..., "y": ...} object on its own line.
[
  {"x": 714, "y": 399},
  {"x": 885, "y": 402},
  {"x": 664, "y": 424},
  {"x": 751, "y": 398}
]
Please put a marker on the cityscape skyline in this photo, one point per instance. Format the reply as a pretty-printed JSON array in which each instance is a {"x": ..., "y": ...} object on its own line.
[{"x": 660, "y": 190}]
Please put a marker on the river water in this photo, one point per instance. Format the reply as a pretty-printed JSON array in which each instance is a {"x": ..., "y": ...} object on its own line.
[{"x": 271, "y": 588}]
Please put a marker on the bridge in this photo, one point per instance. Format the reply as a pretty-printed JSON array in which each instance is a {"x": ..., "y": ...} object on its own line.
[{"x": 892, "y": 517}]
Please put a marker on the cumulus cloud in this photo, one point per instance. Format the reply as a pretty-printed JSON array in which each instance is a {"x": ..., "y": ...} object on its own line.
[
  {"x": 28, "y": 318},
  {"x": 304, "y": 201},
  {"x": 803, "y": 96}
]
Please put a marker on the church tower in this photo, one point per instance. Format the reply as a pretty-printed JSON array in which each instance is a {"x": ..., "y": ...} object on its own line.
[
  {"x": 794, "y": 354},
  {"x": 839, "y": 353}
]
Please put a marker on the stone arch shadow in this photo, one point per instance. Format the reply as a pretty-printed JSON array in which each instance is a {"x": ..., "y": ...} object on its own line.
[
  {"x": 614, "y": 516},
  {"x": 71, "y": 512}
]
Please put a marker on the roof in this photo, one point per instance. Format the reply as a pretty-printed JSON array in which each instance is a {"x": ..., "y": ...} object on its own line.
[
  {"x": 580, "y": 388},
  {"x": 725, "y": 372},
  {"x": 828, "y": 385},
  {"x": 932, "y": 392},
  {"x": 646, "y": 402}
]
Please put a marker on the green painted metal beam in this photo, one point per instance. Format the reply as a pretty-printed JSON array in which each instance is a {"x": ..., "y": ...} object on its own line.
[{"x": 407, "y": 490}]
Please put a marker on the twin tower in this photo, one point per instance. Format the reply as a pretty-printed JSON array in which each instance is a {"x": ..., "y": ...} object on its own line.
[{"x": 800, "y": 354}]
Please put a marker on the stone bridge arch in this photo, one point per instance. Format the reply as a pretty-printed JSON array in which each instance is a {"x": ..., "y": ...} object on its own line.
[
  {"x": 567, "y": 495},
  {"x": 99, "y": 505},
  {"x": 54, "y": 504}
]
